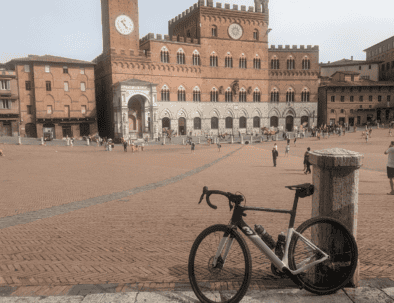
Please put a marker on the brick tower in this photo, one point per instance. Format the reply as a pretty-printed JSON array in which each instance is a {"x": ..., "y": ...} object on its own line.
[{"x": 120, "y": 24}]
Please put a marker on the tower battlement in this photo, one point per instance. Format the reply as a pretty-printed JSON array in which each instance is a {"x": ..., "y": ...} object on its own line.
[
  {"x": 168, "y": 38},
  {"x": 301, "y": 48}
]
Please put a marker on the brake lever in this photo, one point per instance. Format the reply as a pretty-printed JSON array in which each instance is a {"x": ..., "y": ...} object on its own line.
[{"x": 204, "y": 191}]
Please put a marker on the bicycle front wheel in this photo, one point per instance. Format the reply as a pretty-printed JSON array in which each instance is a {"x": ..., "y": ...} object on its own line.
[
  {"x": 332, "y": 237},
  {"x": 229, "y": 280}
]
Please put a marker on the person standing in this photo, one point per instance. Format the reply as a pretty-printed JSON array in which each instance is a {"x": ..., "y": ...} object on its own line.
[
  {"x": 275, "y": 155},
  {"x": 390, "y": 166},
  {"x": 307, "y": 164},
  {"x": 366, "y": 137},
  {"x": 295, "y": 140},
  {"x": 125, "y": 145},
  {"x": 193, "y": 147},
  {"x": 287, "y": 150},
  {"x": 390, "y": 132},
  {"x": 142, "y": 146},
  {"x": 219, "y": 146}
]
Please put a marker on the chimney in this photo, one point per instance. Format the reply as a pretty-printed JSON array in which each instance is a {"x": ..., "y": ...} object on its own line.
[{"x": 351, "y": 58}]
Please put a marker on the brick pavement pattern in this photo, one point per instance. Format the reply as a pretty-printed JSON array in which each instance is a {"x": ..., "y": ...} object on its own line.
[{"x": 144, "y": 238}]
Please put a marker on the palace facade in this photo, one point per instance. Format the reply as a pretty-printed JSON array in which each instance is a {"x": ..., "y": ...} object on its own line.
[{"x": 213, "y": 73}]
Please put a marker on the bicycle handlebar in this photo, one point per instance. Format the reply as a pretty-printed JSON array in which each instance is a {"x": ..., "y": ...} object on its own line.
[{"x": 231, "y": 197}]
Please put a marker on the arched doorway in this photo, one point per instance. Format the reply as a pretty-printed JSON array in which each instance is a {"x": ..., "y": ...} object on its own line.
[
  {"x": 274, "y": 121},
  {"x": 166, "y": 123},
  {"x": 182, "y": 126},
  {"x": 289, "y": 123},
  {"x": 132, "y": 123},
  {"x": 31, "y": 131},
  {"x": 136, "y": 116},
  {"x": 304, "y": 119}
]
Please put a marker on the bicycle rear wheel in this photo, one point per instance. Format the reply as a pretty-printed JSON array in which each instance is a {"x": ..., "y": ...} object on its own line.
[
  {"x": 332, "y": 237},
  {"x": 229, "y": 280}
]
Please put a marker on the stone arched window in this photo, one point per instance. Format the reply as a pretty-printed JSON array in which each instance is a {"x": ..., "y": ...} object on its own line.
[
  {"x": 228, "y": 60},
  {"x": 164, "y": 55},
  {"x": 305, "y": 95},
  {"x": 228, "y": 95},
  {"x": 306, "y": 63},
  {"x": 290, "y": 63},
  {"x": 196, "y": 58},
  {"x": 188, "y": 34},
  {"x": 214, "y": 123},
  {"x": 257, "y": 62},
  {"x": 274, "y": 63},
  {"x": 256, "y": 35},
  {"x": 242, "y": 61},
  {"x": 197, "y": 123},
  {"x": 256, "y": 95},
  {"x": 214, "y": 60},
  {"x": 180, "y": 56},
  {"x": 229, "y": 122},
  {"x": 165, "y": 93},
  {"x": 181, "y": 93},
  {"x": 196, "y": 94},
  {"x": 214, "y": 31},
  {"x": 256, "y": 122},
  {"x": 290, "y": 95},
  {"x": 242, "y": 122},
  {"x": 214, "y": 95},
  {"x": 242, "y": 95},
  {"x": 274, "y": 95}
]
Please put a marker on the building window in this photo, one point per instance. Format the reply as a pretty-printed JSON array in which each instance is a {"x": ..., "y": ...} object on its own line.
[
  {"x": 306, "y": 63},
  {"x": 388, "y": 98},
  {"x": 214, "y": 123},
  {"x": 180, "y": 57},
  {"x": 242, "y": 95},
  {"x": 275, "y": 96},
  {"x": 47, "y": 69},
  {"x": 256, "y": 96},
  {"x": 332, "y": 111},
  {"x": 165, "y": 93},
  {"x": 361, "y": 98},
  {"x": 67, "y": 111},
  {"x": 165, "y": 55},
  {"x": 388, "y": 65},
  {"x": 27, "y": 68},
  {"x": 196, "y": 94},
  {"x": 214, "y": 60},
  {"x": 274, "y": 63},
  {"x": 379, "y": 98},
  {"x": 342, "y": 111},
  {"x": 256, "y": 35},
  {"x": 229, "y": 95},
  {"x": 256, "y": 122},
  {"x": 332, "y": 98},
  {"x": 188, "y": 34},
  {"x": 242, "y": 62},
  {"x": 28, "y": 85},
  {"x": 65, "y": 70},
  {"x": 49, "y": 109},
  {"x": 5, "y": 104},
  {"x": 181, "y": 94},
  {"x": 229, "y": 122},
  {"x": 351, "y": 98},
  {"x": 242, "y": 122},
  {"x": 371, "y": 98},
  {"x": 48, "y": 86},
  {"x": 383, "y": 67},
  {"x": 361, "y": 106},
  {"x": 5, "y": 85},
  {"x": 228, "y": 61},
  {"x": 197, "y": 123},
  {"x": 83, "y": 109},
  {"x": 214, "y": 95},
  {"x": 196, "y": 58},
  {"x": 370, "y": 106},
  {"x": 370, "y": 66},
  {"x": 290, "y": 96},
  {"x": 83, "y": 86},
  {"x": 214, "y": 31},
  {"x": 66, "y": 86},
  {"x": 290, "y": 63},
  {"x": 256, "y": 63},
  {"x": 305, "y": 96},
  {"x": 29, "y": 109},
  {"x": 392, "y": 64},
  {"x": 82, "y": 71},
  {"x": 342, "y": 98},
  {"x": 351, "y": 111}
]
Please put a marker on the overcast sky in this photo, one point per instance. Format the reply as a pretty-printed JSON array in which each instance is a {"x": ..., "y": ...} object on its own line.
[{"x": 72, "y": 28}]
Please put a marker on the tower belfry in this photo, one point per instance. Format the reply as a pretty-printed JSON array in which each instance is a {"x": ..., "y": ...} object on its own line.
[{"x": 120, "y": 24}]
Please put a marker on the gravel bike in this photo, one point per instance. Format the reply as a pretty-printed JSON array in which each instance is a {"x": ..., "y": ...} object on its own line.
[{"x": 321, "y": 255}]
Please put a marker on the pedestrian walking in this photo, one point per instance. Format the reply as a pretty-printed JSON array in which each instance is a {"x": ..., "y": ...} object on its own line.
[
  {"x": 132, "y": 146},
  {"x": 390, "y": 132},
  {"x": 193, "y": 147},
  {"x": 219, "y": 146},
  {"x": 307, "y": 164},
  {"x": 142, "y": 146},
  {"x": 287, "y": 150},
  {"x": 125, "y": 145},
  {"x": 366, "y": 137},
  {"x": 72, "y": 141},
  {"x": 288, "y": 141},
  {"x": 390, "y": 166},
  {"x": 295, "y": 140},
  {"x": 275, "y": 155},
  {"x": 276, "y": 146}
]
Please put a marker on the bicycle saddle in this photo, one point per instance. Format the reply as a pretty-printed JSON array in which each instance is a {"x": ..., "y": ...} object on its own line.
[{"x": 303, "y": 190}]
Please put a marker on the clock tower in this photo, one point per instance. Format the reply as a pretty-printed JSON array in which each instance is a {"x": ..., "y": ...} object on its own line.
[{"x": 120, "y": 24}]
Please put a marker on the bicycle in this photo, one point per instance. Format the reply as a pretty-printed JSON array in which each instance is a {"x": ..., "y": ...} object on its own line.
[{"x": 320, "y": 256}]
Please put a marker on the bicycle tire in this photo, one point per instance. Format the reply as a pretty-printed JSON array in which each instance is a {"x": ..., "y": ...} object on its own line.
[
  {"x": 334, "y": 273},
  {"x": 222, "y": 289}
]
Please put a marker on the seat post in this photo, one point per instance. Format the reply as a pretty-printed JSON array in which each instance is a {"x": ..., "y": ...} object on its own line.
[{"x": 294, "y": 210}]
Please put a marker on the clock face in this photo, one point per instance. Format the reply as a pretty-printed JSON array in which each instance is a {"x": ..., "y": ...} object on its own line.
[
  {"x": 124, "y": 25},
  {"x": 235, "y": 31}
]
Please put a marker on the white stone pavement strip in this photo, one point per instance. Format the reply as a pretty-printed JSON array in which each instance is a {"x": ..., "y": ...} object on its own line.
[
  {"x": 69, "y": 207},
  {"x": 348, "y": 295}
]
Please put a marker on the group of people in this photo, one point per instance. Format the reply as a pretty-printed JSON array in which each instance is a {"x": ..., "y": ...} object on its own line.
[
  {"x": 307, "y": 164},
  {"x": 134, "y": 147}
]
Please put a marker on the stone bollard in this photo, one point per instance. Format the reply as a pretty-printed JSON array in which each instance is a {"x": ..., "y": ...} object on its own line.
[
  {"x": 336, "y": 179},
  {"x": 183, "y": 141},
  {"x": 109, "y": 147},
  {"x": 42, "y": 141},
  {"x": 87, "y": 142},
  {"x": 199, "y": 140},
  {"x": 164, "y": 141},
  {"x": 68, "y": 142},
  {"x": 19, "y": 140},
  {"x": 242, "y": 139},
  {"x": 232, "y": 140},
  {"x": 261, "y": 139}
]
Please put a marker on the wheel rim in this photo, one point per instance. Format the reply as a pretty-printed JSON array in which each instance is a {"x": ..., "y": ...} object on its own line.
[
  {"x": 224, "y": 282},
  {"x": 338, "y": 243}
]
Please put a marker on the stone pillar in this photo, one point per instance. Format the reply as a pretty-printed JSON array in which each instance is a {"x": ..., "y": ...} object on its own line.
[
  {"x": 232, "y": 139},
  {"x": 336, "y": 179},
  {"x": 87, "y": 142},
  {"x": 183, "y": 141},
  {"x": 242, "y": 139},
  {"x": 67, "y": 141},
  {"x": 164, "y": 140},
  {"x": 199, "y": 140},
  {"x": 42, "y": 141},
  {"x": 19, "y": 140}
]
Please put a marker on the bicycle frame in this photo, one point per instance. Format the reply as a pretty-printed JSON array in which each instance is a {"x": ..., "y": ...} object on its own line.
[{"x": 237, "y": 221}]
